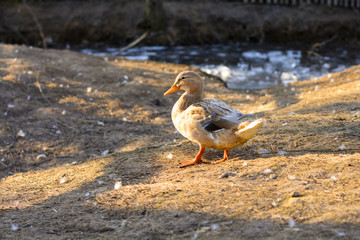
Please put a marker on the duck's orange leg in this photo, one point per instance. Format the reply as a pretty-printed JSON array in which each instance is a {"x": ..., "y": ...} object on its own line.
[
  {"x": 226, "y": 157},
  {"x": 196, "y": 160}
]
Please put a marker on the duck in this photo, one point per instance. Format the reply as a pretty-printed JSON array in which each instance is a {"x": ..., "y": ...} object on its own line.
[{"x": 209, "y": 122}]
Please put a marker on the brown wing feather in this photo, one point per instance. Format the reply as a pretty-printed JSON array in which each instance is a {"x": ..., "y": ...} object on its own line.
[{"x": 221, "y": 115}]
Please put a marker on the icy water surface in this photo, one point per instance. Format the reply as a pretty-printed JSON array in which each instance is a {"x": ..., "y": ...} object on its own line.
[{"x": 250, "y": 66}]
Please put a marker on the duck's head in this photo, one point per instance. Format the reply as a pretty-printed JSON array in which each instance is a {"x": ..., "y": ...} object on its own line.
[{"x": 190, "y": 82}]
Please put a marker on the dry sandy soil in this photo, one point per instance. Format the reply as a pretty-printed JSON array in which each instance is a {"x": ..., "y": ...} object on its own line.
[{"x": 86, "y": 144}]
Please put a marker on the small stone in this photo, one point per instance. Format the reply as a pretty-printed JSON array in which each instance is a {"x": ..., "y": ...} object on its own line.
[
  {"x": 40, "y": 156},
  {"x": 214, "y": 227},
  {"x": 273, "y": 176},
  {"x": 333, "y": 178},
  {"x": 101, "y": 123},
  {"x": 11, "y": 106},
  {"x": 118, "y": 185},
  {"x": 268, "y": 171},
  {"x": 342, "y": 147},
  {"x": 14, "y": 227},
  {"x": 227, "y": 174},
  {"x": 291, "y": 177},
  {"x": 170, "y": 156},
  {"x": 20, "y": 133},
  {"x": 295, "y": 194},
  {"x": 63, "y": 180},
  {"x": 281, "y": 153},
  {"x": 89, "y": 89},
  {"x": 291, "y": 223},
  {"x": 104, "y": 153},
  {"x": 264, "y": 151}
]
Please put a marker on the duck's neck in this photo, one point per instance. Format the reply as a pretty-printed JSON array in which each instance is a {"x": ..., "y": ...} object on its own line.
[{"x": 187, "y": 99}]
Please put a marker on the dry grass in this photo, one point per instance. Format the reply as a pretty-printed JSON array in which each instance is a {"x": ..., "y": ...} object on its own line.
[
  {"x": 58, "y": 185},
  {"x": 23, "y": 190},
  {"x": 253, "y": 191}
]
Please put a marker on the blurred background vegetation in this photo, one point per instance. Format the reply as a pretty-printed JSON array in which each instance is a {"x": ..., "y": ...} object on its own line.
[{"x": 85, "y": 23}]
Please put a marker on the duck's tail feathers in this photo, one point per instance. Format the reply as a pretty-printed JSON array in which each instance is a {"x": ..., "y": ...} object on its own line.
[{"x": 248, "y": 130}]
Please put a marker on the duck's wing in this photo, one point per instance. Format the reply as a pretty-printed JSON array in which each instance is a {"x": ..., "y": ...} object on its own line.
[
  {"x": 230, "y": 121},
  {"x": 221, "y": 115}
]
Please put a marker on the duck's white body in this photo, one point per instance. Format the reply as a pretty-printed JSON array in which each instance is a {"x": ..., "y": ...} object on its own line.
[{"x": 209, "y": 122}]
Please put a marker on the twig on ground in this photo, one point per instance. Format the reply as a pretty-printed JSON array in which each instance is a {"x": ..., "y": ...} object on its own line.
[
  {"x": 132, "y": 44},
  {"x": 64, "y": 124},
  {"x": 319, "y": 45},
  {"x": 38, "y": 85}
]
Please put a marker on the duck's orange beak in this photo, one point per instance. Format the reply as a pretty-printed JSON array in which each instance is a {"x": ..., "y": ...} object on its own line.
[{"x": 173, "y": 88}]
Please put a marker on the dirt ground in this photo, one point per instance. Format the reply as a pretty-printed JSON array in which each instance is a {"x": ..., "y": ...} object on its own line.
[{"x": 88, "y": 151}]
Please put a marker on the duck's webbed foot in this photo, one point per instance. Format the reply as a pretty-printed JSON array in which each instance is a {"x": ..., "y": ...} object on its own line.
[
  {"x": 226, "y": 157},
  {"x": 195, "y": 161}
]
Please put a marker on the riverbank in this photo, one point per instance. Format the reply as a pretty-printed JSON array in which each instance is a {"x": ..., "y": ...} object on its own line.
[
  {"x": 116, "y": 23},
  {"x": 87, "y": 148}
]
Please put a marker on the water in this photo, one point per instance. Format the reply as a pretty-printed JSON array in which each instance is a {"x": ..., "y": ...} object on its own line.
[{"x": 249, "y": 66}]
